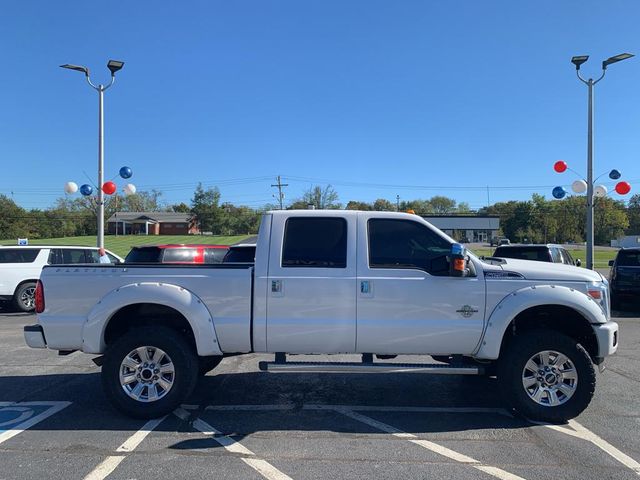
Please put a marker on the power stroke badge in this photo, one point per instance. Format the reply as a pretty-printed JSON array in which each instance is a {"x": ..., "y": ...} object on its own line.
[{"x": 467, "y": 311}]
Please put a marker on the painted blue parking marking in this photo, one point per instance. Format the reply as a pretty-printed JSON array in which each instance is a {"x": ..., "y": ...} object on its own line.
[{"x": 16, "y": 417}]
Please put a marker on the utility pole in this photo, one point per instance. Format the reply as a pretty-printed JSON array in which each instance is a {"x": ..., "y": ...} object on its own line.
[
  {"x": 280, "y": 193},
  {"x": 397, "y": 203}
]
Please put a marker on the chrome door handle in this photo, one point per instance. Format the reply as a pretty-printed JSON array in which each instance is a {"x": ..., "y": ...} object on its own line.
[{"x": 276, "y": 286}]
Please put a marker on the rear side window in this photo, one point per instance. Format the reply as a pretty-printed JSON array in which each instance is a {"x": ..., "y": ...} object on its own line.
[
  {"x": 319, "y": 242},
  {"x": 179, "y": 255},
  {"x": 74, "y": 256},
  {"x": 214, "y": 255},
  {"x": 628, "y": 258},
  {"x": 18, "y": 255},
  {"x": 144, "y": 255}
]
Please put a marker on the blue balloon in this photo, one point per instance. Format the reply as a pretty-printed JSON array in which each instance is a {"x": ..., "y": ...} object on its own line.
[
  {"x": 614, "y": 174},
  {"x": 559, "y": 192},
  {"x": 126, "y": 172},
  {"x": 86, "y": 189}
]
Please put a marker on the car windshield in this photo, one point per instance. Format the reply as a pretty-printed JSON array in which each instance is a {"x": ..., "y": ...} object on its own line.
[{"x": 629, "y": 258}]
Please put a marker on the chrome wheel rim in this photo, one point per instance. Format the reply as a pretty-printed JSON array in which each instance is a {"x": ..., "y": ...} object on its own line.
[
  {"x": 550, "y": 378},
  {"x": 28, "y": 297},
  {"x": 147, "y": 374}
]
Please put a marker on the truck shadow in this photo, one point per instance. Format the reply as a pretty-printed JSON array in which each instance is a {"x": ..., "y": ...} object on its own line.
[{"x": 298, "y": 403}]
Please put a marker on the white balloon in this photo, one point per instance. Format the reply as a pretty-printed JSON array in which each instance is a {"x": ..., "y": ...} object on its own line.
[
  {"x": 70, "y": 187},
  {"x": 579, "y": 186},
  {"x": 129, "y": 189},
  {"x": 600, "y": 191}
]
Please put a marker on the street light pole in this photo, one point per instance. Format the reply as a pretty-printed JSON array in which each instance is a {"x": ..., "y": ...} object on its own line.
[
  {"x": 590, "y": 83},
  {"x": 590, "y": 236},
  {"x": 113, "y": 66}
]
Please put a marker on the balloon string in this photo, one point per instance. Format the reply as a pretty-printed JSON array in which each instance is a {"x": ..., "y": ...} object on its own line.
[{"x": 85, "y": 174}]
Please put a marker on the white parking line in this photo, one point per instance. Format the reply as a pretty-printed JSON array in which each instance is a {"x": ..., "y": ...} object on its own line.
[
  {"x": 579, "y": 431},
  {"x": 434, "y": 447},
  {"x": 54, "y": 407},
  {"x": 263, "y": 467},
  {"x": 109, "y": 464}
]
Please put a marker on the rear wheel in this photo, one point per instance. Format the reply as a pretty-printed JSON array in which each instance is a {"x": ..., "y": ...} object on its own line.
[
  {"x": 24, "y": 298},
  {"x": 546, "y": 376},
  {"x": 149, "y": 371}
]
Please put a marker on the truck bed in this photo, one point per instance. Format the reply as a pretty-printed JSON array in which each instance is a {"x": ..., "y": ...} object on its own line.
[{"x": 225, "y": 290}]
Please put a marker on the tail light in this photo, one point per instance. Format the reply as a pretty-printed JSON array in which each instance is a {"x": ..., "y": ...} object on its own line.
[{"x": 39, "y": 297}]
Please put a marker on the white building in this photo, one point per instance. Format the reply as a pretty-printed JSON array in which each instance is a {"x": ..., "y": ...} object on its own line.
[
  {"x": 626, "y": 242},
  {"x": 467, "y": 228}
]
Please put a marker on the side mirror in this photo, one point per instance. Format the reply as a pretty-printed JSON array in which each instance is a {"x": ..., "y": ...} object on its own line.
[
  {"x": 578, "y": 262},
  {"x": 458, "y": 260},
  {"x": 611, "y": 262}
]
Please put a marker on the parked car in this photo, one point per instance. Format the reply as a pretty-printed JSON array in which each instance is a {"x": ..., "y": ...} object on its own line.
[
  {"x": 20, "y": 268},
  {"x": 539, "y": 253},
  {"x": 177, "y": 253},
  {"x": 624, "y": 279}
]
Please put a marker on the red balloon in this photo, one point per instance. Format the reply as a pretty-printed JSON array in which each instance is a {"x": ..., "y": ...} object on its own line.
[
  {"x": 109, "y": 188},
  {"x": 623, "y": 188},
  {"x": 560, "y": 166}
]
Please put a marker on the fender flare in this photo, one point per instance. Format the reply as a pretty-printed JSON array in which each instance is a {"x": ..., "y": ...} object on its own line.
[
  {"x": 180, "y": 299},
  {"x": 534, "y": 296}
]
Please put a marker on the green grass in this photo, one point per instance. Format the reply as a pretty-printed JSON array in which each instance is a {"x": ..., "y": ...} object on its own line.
[
  {"x": 121, "y": 244},
  {"x": 601, "y": 256}
]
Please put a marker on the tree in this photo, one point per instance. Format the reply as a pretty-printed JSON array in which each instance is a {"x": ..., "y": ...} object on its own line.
[
  {"x": 205, "y": 211},
  {"x": 442, "y": 205},
  {"x": 355, "y": 205},
  {"x": 382, "y": 205},
  {"x": 633, "y": 213},
  {"x": 320, "y": 198},
  {"x": 180, "y": 208},
  {"x": 13, "y": 219},
  {"x": 610, "y": 220}
]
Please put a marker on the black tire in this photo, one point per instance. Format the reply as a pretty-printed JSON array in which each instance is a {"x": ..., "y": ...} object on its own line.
[
  {"x": 24, "y": 298},
  {"x": 511, "y": 367},
  {"x": 206, "y": 364},
  {"x": 185, "y": 364}
]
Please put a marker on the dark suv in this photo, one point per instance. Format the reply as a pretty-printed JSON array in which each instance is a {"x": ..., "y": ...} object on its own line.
[
  {"x": 624, "y": 279},
  {"x": 541, "y": 253}
]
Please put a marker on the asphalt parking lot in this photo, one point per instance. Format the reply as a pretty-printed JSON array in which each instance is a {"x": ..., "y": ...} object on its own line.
[{"x": 244, "y": 424}]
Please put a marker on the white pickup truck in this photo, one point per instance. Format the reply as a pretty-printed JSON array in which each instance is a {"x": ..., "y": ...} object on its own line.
[{"x": 375, "y": 284}]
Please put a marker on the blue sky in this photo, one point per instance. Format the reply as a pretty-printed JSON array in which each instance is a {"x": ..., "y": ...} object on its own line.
[{"x": 377, "y": 98}]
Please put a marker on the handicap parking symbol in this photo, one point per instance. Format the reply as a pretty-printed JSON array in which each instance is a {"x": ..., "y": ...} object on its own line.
[{"x": 18, "y": 417}]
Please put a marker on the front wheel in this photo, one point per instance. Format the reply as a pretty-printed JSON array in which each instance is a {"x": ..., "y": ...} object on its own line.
[
  {"x": 148, "y": 372},
  {"x": 546, "y": 376}
]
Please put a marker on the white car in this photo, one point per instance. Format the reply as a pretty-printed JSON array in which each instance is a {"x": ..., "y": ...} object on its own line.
[{"x": 20, "y": 268}]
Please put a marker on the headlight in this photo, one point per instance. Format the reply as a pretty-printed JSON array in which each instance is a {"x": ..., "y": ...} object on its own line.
[{"x": 599, "y": 291}]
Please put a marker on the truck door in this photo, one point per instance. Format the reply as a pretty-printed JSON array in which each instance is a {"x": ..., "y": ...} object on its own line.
[
  {"x": 311, "y": 289},
  {"x": 407, "y": 302}
]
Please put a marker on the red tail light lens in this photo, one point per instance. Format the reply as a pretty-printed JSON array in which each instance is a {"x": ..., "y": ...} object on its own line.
[{"x": 39, "y": 297}]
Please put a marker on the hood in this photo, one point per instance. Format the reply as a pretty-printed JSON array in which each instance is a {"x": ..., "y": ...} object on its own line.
[{"x": 533, "y": 270}]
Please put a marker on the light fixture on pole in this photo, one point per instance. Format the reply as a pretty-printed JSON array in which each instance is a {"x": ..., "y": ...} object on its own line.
[
  {"x": 113, "y": 66},
  {"x": 578, "y": 61}
]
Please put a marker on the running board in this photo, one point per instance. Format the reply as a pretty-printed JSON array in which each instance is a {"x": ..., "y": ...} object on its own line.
[{"x": 357, "y": 367}]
